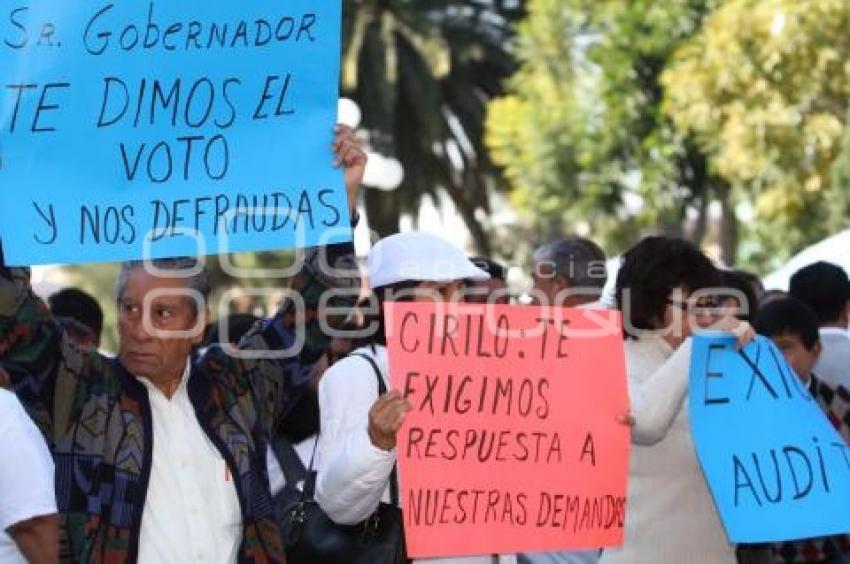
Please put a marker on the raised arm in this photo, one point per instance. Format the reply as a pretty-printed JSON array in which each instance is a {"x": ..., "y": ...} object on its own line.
[
  {"x": 656, "y": 401},
  {"x": 277, "y": 354},
  {"x": 30, "y": 343},
  {"x": 328, "y": 284}
]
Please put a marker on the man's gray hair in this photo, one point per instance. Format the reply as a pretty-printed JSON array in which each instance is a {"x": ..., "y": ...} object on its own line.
[
  {"x": 188, "y": 268},
  {"x": 577, "y": 259}
]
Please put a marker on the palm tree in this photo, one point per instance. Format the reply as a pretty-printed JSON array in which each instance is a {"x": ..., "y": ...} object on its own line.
[{"x": 422, "y": 73}]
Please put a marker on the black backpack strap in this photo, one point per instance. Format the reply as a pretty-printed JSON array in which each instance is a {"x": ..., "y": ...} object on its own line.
[
  {"x": 288, "y": 459},
  {"x": 382, "y": 389},
  {"x": 310, "y": 474}
]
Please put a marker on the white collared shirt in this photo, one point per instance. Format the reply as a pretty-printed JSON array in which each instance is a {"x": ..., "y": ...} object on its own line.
[
  {"x": 192, "y": 512},
  {"x": 833, "y": 366}
]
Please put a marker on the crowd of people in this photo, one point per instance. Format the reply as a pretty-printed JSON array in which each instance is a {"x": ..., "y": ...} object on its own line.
[{"x": 184, "y": 447}]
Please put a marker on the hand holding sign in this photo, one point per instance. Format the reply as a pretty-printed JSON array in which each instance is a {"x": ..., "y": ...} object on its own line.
[
  {"x": 742, "y": 330},
  {"x": 385, "y": 419},
  {"x": 349, "y": 155}
]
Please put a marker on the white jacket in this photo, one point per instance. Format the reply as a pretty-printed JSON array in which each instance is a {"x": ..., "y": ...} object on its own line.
[
  {"x": 352, "y": 473},
  {"x": 670, "y": 515}
]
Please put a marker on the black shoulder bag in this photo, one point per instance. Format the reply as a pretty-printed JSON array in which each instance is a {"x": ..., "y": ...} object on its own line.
[
  {"x": 295, "y": 475},
  {"x": 311, "y": 537}
]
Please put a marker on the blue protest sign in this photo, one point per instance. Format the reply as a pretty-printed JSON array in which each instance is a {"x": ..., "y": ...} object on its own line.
[
  {"x": 776, "y": 467},
  {"x": 154, "y": 129}
]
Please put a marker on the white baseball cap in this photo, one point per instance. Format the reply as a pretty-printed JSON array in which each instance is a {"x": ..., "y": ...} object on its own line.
[{"x": 418, "y": 256}]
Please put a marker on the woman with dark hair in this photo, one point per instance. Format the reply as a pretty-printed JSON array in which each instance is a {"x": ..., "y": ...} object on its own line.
[
  {"x": 664, "y": 289},
  {"x": 738, "y": 293},
  {"x": 356, "y": 452}
]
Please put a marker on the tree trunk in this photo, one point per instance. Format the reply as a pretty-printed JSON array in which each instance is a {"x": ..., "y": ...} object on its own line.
[
  {"x": 383, "y": 210},
  {"x": 728, "y": 227},
  {"x": 701, "y": 224},
  {"x": 480, "y": 238},
  {"x": 693, "y": 170},
  {"x": 672, "y": 226}
]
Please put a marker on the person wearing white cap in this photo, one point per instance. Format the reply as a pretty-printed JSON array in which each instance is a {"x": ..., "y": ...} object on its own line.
[{"x": 356, "y": 451}]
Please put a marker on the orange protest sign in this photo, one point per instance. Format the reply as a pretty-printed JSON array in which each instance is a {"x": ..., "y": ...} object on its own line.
[{"x": 513, "y": 443}]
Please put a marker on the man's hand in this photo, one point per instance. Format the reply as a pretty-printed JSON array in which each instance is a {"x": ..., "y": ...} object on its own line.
[
  {"x": 350, "y": 155},
  {"x": 37, "y": 539},
  {"x": 385, "y": 419}
]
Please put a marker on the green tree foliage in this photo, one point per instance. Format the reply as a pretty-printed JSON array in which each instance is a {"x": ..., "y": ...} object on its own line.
[
  {"x": 582, "y": 136},
  {"x": 422, "y": 73},
  {"x": 530, "y": 131},
  {"x": 838, "y": 201},
  {"x": 764, "y": 86}
]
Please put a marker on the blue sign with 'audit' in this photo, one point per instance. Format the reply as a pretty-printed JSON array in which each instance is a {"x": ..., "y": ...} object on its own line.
[{"x": 776, "y": 467}]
